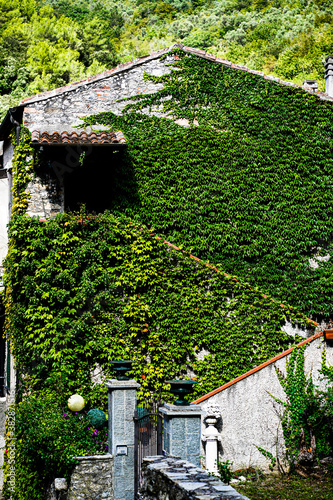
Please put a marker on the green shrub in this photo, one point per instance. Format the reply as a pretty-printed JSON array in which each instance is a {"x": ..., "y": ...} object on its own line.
[
  {"x": 225, "y": 471},
  {"x": 46, "y": 441}
]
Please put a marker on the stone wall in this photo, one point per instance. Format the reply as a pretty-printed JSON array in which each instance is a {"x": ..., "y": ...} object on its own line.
[
  {"x": 91, "y": 479},
  {"x": 181, "y": 431},
  {"x": 62, "y": 112},
  {"x": 174, "y": 479},
  {"x": 45, "y": 198},
  {"x": 249, "y": 415}
]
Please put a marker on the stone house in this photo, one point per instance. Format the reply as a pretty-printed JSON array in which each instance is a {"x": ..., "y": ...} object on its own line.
[{"x": 53, "y": 119}]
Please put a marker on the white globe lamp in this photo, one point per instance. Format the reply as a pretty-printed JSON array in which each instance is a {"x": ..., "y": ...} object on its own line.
[{"x": 76, "y": 402}]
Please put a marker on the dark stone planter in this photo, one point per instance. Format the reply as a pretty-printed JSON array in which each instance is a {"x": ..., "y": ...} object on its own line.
[
  {"x": 180, "y": 389},
  {"x": 121, "y": 367}
]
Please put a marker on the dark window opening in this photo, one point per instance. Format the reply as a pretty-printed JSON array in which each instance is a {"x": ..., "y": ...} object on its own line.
[
  {"x": 93, "y": 182},
  {"x": 84, "y": 174}
]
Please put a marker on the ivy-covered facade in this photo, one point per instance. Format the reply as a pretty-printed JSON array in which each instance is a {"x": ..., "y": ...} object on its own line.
[
  {"x": 221, "y": 162},
  {"x": 230, "y": 163},
  {"x": 216, "y": 159}
]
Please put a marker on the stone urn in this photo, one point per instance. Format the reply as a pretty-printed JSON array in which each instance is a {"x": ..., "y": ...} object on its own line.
[
  {"x": 180, "y": 389},
  {"x": 121, "y": 367}
]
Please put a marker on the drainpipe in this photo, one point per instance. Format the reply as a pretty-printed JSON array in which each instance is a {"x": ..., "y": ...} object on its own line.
[
  {"x": 17, "y": 126},
  {"x": 329, "y": 75}
]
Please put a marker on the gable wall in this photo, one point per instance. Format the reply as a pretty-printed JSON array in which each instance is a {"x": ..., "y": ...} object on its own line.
[{"x": 63, "y": 111}]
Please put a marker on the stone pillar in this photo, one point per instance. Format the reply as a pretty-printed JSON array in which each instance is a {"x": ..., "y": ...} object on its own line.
[
  {"x": 211, "y": 436},
  {"x": 329, "y": 75},
  {"x": 122, "y": 404},
  {"x": 182, "y": 431}
]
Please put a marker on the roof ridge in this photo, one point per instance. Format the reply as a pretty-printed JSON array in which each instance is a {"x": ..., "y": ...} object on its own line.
[
  {"x": 135, "y": 62},
  {"x": 257, "y": 368}
]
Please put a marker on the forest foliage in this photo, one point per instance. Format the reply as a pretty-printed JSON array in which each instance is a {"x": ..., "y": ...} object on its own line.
[{"x": 48, "y": 43}]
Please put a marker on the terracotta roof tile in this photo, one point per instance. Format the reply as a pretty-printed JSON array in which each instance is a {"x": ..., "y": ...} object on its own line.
[{"x": 75, "y": 138}]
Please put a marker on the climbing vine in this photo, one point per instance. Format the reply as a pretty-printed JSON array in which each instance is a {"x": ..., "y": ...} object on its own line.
[
  {"x": 87, "y": 289},
  {"x": 22, "y": 170},
  {"x": 307, "y": 409},
  {"x": 247, "y": 184}
]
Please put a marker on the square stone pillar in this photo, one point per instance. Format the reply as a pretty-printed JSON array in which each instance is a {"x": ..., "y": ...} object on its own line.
[
  {"x": 121, "y": 407},
  {"x": 182, "y": 431}
]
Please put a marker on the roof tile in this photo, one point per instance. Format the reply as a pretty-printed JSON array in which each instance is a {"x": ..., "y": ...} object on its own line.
[{"x": 76, "y": 138}]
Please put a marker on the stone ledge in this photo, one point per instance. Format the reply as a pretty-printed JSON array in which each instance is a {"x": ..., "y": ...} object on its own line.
[
  {"x": 107, "y": 456},
  {"x": 192, "y": 410},
  {"x": 113, "y": 384},
  {"x": 176, "y": 479}
]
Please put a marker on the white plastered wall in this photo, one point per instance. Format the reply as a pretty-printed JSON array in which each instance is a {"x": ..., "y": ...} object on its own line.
[
  {"x": 4, "y": 199},
  {"x": 249, "y": 413}
]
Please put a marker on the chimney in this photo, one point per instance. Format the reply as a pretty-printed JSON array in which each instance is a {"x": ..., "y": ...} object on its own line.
[
  {"x": 310, "y": 85},
  {"x": 329, "y": 75}
]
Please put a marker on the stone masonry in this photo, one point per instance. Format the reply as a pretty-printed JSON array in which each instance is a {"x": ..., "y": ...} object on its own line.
[
  {"x": 122, "y": 403},
  {"x": 62, "y": 112},
  {"x": 91, "y": 479},
  {"x": 182, "y": 431},
  {"x": 45, "y": 198},
  {"x": 169, "y": 478}
]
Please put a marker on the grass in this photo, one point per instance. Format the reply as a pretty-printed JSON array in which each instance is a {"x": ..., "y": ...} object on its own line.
[{"x": 288, "y": 488}]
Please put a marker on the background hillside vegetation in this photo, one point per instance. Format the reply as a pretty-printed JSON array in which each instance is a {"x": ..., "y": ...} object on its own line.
[{"x": 46, "y": 44}]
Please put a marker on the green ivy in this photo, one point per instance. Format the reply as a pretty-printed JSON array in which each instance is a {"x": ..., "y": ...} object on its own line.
[
  {"x": 306, "y": 408},
  {"x": 22, "y": 170},
  {"x": 86, "y": 289},
  {"x": 247, "y": 185}
]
